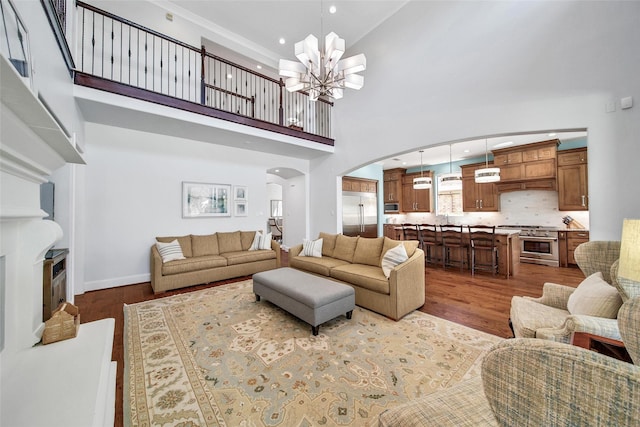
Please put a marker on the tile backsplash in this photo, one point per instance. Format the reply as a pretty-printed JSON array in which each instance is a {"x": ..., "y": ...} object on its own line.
[{"x": 532, "y": 207}]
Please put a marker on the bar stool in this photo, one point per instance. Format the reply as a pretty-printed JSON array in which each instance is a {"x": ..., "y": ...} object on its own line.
[
  {"x": 483, "y": 240},
  {"x": 410, "y": 232},
  {"x": 429, "y": 242},
  {"x": 451, "y": 237}
]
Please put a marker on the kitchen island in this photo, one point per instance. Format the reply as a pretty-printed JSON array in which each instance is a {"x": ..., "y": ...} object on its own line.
[{"x": 507, "y": 241}]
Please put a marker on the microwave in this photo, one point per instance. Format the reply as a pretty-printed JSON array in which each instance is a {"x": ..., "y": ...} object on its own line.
[{"x": 391, "y": 207}]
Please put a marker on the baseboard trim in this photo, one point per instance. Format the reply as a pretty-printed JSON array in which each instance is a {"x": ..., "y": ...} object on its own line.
[{"x": 116, "y": 282}]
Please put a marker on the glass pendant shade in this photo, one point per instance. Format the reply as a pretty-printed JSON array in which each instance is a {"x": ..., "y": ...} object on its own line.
[
  {"x": 422, "y": 183},
  {"x": 487, "y": 175}
]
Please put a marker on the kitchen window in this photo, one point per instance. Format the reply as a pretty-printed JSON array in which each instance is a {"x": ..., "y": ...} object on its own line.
[{"x": 449, "y": 196}]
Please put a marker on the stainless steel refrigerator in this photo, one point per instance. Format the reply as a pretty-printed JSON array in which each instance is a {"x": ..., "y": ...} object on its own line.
[{"x": 359, "y": 214}]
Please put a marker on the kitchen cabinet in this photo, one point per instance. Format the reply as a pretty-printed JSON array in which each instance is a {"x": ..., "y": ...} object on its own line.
[
  {"x": 392, "y": 179},
  {"x": 360, "y": 185},
  {"x": 568, "y": 241},
  {"x": 478, "y": 197},
  {"x": 415, "y": 200},
  {"x": 573, "y": 188},
  {"x": 527, "y": 163},
  {"x": 392, "y": 231}
]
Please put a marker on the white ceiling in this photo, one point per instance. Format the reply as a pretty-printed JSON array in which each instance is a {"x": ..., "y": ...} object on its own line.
[{"x": 263, "y": 22}]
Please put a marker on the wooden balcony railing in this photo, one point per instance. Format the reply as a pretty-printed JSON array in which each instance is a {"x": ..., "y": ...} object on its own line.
[{"x": 123, "y": 57}]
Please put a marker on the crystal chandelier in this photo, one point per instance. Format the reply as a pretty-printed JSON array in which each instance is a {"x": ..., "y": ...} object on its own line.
[
  {"x": 487, "y": 174},
  {"x": 322, "y": 72}
]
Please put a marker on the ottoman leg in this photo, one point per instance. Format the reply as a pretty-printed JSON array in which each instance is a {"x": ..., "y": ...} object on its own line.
[
  {"x": 349, "y": 314},
  {"x": 314, "y": 329},
  {"x": 257, "y": 297}
]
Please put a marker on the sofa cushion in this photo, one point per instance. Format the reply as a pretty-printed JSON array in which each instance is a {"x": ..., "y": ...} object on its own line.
[
  {"x": 185, "y": 243},
  {"x": 311, "y": 248},
  {"x": 345, "y": 247},
  {"x": 320, "y": 266},
  {"x": 230, "y": 242},
  {"x": 364, "y": 276},
  {"x": 595, "y": 297},
  {"x": 193, "y": 264},
  {"x": 409, "y": 245},
  {"x": 328, "y": 243},
  {"x": 528, "y": 316},
  {"x": 392, "y": 258},
  {"x": 246, "y": 238},
  {"x": 205, "y": 245},
  {"x": 170, "y": 251},
  {"x": 368, "y": 251},
  {"x": 243, "y": 257}
]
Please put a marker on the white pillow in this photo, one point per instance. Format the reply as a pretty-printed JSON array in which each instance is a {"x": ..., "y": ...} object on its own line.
[
  {"x": 311, "y": 248},
  {"x": 595, "y": 297},
  {"x": 170, "y": 251},
  {"x": 393, "y": 257},
  {"x": 255, "y": 245},
  {"x": 265, "y": 241}
]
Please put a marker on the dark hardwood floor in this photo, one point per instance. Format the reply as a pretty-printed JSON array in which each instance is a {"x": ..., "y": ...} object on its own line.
[{"x": 481, "y": 302}]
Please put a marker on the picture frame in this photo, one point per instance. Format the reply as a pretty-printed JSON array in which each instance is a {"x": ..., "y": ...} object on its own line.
[
  {"x": 241, "y": 208},
  {"x": 240, "y": 193},
  {"x": 201, "y": 199}
]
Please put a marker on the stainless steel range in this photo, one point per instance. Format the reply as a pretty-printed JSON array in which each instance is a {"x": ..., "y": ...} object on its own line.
[{"x": 538, "y": 245}]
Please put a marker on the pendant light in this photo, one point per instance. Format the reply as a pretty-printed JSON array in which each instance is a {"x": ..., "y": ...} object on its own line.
[
  {"x": 487, "y": 174},
  {"x": 423, "y": 182},
  {"x": 450, "y": 181}
]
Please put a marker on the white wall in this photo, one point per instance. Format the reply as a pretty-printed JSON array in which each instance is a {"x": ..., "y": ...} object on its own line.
[
  {"x": 445, "y": 71},
  {"x": 133, "y": 191}
]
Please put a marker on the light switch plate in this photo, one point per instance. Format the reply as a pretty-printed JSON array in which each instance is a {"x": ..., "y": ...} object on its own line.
[{"x": 626, "y": 102}]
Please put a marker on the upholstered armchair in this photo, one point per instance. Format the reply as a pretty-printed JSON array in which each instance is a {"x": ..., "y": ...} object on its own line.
[
  {"x": 548, "y": 317},
  {"x": 532, "y": 382}
]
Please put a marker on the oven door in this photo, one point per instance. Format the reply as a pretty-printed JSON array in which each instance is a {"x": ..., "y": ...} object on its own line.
[{"x": 539, "y": 250}]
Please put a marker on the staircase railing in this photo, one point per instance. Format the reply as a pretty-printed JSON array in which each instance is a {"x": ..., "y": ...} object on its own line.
[{"x": 116, "y": 49}]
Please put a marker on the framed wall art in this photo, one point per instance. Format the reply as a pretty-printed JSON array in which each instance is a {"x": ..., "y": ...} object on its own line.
[
  {"x": 240, "y": 193},
  {"x": 241, "y": 208},
  {"x": 205, "y": 200}
]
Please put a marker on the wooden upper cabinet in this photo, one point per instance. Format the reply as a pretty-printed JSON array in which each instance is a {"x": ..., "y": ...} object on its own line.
[
  {"x": 415, "y": 200},
  {"x": 573, "y": 180},
  {"x": 529, "y": 162},
  {"x": 478, "y": 197},
  {"x": 360, "y": 185},
  {"x": 392, "y": 179}
]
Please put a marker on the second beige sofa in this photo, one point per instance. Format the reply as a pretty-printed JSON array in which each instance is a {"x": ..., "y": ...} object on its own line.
[{"x": 357, "y": 261}]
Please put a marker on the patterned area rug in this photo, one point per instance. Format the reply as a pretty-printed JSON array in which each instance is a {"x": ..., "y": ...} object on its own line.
[{"x": 218, "y": 357}]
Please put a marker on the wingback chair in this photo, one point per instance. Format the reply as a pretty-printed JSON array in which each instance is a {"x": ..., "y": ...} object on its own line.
[
  {"x": 532, "y": 382},
  {"x": 548, "y": 317}
]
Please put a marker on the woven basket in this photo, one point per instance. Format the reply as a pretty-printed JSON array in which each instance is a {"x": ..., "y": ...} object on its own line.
[{"x": 64, "y": 324}]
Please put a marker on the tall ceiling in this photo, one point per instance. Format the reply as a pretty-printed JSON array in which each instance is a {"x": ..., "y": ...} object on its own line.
[{"x": 261, "y": 23}]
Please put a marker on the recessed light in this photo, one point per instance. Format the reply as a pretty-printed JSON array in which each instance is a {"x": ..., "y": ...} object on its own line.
[
  {"x": 466, "y": 151},
  {"x": 259, "y": 67},
  {"x": 552, "y": 134},
  {"x": 332, "y": 9},
  {"x": 229, "y": 76},
  {"x": 503, "y": 144},
  {"x": 277, "y": 170},
  {"x": 404, "y": 163},
  {"x": 282, "y": 40}
]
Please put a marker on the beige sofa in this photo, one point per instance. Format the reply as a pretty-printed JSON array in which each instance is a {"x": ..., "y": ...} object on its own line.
[
  {"x": 356, "y": 261},
  {"x": 210, "y": 258}
]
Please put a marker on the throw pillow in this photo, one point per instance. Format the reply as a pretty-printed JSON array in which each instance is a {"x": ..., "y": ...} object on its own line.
[
  {"x": 265, "y": 241},
  {"x": 255, "y": 245},
  {"x": 312, "y": 248},
  {"x": 595, "y": 297},
  {"x": 393, "y": 257},
  {"x": 170, "y": 251}
]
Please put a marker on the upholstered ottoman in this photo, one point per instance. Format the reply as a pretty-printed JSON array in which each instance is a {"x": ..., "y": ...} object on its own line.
[{"x": 310, "y": 298}]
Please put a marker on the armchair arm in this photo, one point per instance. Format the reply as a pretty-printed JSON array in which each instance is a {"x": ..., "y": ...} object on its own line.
[
  {"x": 295, "y": 251},
  {"x": 554, "y": 295},
  {"x": 543, "y": 383},
  {"x": 581, "y": 323},
  {"x": 156, "y": 265},
  {"x": 276, "y": 247},
  {"x": 406, "y": 285}
]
